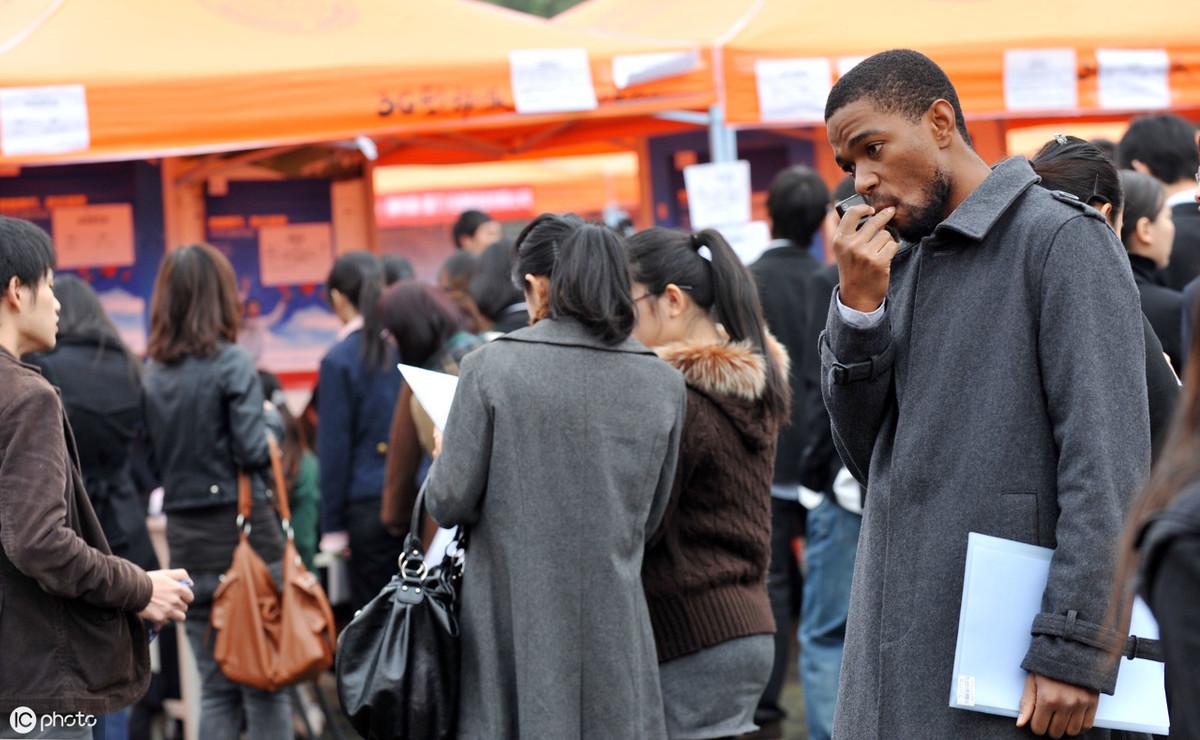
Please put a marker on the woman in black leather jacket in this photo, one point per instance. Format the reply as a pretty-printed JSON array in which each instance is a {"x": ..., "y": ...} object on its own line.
[{"x": 205, "y": 422}]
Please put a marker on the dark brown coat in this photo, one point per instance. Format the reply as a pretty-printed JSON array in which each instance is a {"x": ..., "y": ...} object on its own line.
[
  {"x": 70, "y": 640},
  {"x": 706, "y": 568}
]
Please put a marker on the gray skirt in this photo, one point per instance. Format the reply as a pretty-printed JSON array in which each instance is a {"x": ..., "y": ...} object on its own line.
[{"x": 713, "y": 693}]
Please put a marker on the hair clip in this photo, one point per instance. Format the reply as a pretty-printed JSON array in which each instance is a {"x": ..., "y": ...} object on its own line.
[
  {"x": 705, "y": 253},
  {"x": 1061, "y": 139}
]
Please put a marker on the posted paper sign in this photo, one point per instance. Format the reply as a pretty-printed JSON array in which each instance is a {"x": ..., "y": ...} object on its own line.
[
  {"x": 93, "y": 236},
  {"x": 635, "y": 69},
  {"x": 1002, "y": 593},
  {"x": 434, "y": 391},
  {"x": 43, "y": 120},
  {"x": 718, "y": 193},
  {"x": 793, "y": 89},
  {"x": 295, "y": 254},
  {"x": 1040, "y": 79},
  {"x": 844, "y": 65},
  {"x": 748, "y": 240},
  {"x": 551, "y": 80},
  {"x": 1134, "y": 79}
]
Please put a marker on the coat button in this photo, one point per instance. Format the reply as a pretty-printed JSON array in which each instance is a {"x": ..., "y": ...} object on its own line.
[
  {"x": 214, "y": 490},
  {"x": 381, "y": 448}
]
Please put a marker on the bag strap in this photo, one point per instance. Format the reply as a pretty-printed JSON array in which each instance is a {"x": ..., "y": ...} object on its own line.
[
  {"x": 281, "y": 491},
  {"x": 246, "y": 498}
]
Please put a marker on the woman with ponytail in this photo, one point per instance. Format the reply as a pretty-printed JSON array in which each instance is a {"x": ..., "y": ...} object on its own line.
[
  {"x": 357, "y": 390},
  {"x": 705, "y": 572},
  {"x": 558, "y": 456}
]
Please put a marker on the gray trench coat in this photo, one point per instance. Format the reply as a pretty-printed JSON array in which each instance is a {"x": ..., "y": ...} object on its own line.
[
  {"x": 1004, "y": 393},
  {"x": 559, "y": 455}
]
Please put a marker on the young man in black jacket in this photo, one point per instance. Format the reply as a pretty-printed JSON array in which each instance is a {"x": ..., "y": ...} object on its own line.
[{"x": 797, "y": 202}]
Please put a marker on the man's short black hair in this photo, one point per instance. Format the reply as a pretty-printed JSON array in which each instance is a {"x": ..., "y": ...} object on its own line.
[
  {"x": 898, "y": 81},
  {"x": 797, "y": 202},
  {"x": 26, "y": 252},
  {"x": 1165, "y": 143},
  {"x": 467, "y": 224}
]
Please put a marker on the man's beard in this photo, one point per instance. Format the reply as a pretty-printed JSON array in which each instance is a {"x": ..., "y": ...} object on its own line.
[{"x": 924, "y": 219}]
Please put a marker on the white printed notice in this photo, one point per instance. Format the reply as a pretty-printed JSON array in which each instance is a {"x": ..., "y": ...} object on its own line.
[
  {"x": 43, "y": 120},
  {"x": 1040, "y": 79},
  {"x": 93, "y": 236},
  {"x": 845, "y": 64},
  {"x": 793, "y": 89},
  {"x": 551, "y": 80},
  {"x": 636, "y": 69},
  {"x": 295, "y": 254},
  {"x": 718, "y": 193},
  {"x": 1134, "y": 79}
]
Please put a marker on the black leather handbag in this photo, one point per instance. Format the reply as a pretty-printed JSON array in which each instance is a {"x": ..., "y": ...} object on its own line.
[{"x": 398, "y": 659}]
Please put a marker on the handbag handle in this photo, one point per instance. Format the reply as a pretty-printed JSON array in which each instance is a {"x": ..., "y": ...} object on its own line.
[
  {"x": 412, "y": 560},
  {"x": 246, "y": 500}
]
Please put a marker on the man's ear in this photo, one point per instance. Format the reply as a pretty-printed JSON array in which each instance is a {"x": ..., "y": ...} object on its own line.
[
  {"x": 1106, "y": 210},
  {"x": 1140, "y": 166},
  {"x": 12, "y": 295},
  {"x": 942, "y": 122}
]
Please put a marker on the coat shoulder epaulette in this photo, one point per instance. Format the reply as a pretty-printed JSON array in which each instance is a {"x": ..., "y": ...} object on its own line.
[{"x": 1065, "y": 197}]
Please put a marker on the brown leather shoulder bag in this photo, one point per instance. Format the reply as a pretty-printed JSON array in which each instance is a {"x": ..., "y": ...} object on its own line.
[{"x": 269, "y": 638}]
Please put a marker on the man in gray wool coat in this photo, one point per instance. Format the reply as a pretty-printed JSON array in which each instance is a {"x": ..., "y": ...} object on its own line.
[{"x": 983, "y": 375}]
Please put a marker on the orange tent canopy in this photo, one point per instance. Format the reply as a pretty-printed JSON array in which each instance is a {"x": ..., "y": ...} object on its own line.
[
  {"x": 190, "y": 76},
  {"x": 968, "y": 39}
]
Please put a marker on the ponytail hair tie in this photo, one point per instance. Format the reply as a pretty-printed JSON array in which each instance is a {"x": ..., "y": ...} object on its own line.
[{"x": 701, "y": 248}]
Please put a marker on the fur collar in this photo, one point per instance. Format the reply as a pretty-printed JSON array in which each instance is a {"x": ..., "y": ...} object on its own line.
[{"x": 726, "y": 369}]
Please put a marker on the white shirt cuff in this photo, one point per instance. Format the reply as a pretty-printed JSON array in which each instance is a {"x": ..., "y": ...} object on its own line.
[{"x": 860, "y": 319}]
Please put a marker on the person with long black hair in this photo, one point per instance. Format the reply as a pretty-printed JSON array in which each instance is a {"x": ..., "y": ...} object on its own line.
[
  {"x": 429, "y": 332},
  {"x": 90, "y": 354},
  {"x": 706, "y": 569},
  {"x": 357, "y": 387},
  {"x": 534, "y": 255},
  {"x": 1148, "y": 231},
  {"x": 1076, "y": 167},
  {"x": 559, "y": 456},
  {"x": 1160, "y": 555}
]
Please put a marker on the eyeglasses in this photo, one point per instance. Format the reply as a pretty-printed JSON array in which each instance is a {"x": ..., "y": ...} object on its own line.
[{"x": 648, "y": 294}]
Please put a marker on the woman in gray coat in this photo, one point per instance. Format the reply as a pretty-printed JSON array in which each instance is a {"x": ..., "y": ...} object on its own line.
[{"x": 559, "y": 456}]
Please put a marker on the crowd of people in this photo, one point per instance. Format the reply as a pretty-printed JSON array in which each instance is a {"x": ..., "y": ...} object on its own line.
[{"x": 643, "y": 430}]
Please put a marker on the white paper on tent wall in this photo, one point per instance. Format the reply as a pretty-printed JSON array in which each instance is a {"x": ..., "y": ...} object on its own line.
[
  {"x": 636, "y": 69},
  {"x": 551, "y": 80},
  {"x": 93, "y": 236},
  {"x": 1040, "y": 79},
  {"x": 793, "y": 89},
  {"x": 43, "y": 120},
  {"x": 295, "y": 254},
  {"x": 434, "y": 391},
  {"x": 844, "y": 65},
  {"x": 1002, "y": 593},
  {"x": 1134, "y": 79},
  {"x": 748, "y": 240},
  {"x": 718, "y": 193}
]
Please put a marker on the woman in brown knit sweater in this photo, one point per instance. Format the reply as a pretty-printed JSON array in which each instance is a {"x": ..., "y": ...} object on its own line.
[{"x": 705, "y": 569}]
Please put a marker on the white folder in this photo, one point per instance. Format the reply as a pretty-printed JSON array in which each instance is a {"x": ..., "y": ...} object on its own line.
[
  {"x": 1002, "y": 593},
  {"x": 434, "y": 391}
]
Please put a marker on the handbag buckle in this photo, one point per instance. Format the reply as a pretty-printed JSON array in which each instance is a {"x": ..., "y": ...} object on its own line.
[{"x": 410, "y": 573}]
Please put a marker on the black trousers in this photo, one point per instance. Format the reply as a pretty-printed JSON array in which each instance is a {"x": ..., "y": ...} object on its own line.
[
  {"x": 785, "y": 585},
  {"x": 374, "y": 554}
]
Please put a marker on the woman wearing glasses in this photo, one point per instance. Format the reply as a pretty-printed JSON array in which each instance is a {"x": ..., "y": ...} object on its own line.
[{"x": 706, "y": 569}]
